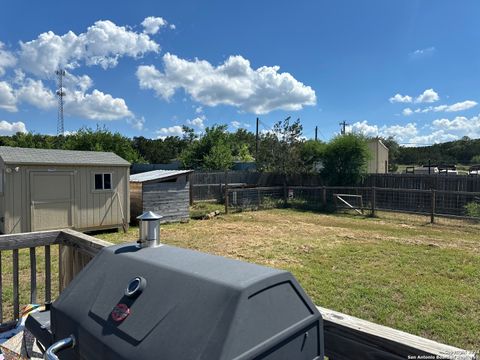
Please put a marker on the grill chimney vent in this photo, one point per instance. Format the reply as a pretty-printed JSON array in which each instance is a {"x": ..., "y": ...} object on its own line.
[{"x": 149, "y": 225}]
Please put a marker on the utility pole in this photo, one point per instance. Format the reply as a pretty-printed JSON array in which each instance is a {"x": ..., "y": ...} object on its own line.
[
  {"x": 343, "y": 126},
  {"x": 256, "y": 143},
  {"x": 316, "y": 133},
  {"x": 60, "y": 93}
]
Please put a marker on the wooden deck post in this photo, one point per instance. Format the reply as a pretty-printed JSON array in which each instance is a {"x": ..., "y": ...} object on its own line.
[
  {"x": 71, "y": 262},
  {"x": 1, "y": 289},
  {"x": 16, "y": 294},
  {"x": 48, "y": 275},
  {"x": 33, "y": 276}
]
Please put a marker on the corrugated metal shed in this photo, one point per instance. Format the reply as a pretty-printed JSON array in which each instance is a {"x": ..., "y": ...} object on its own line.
[
  {"x": 157, "y": 175},
  {"x": 165, "y": 192},
  {"x": 14, "y": 155}
]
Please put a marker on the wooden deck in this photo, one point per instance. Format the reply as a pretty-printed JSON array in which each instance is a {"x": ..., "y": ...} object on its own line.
[{"x": 346, "y": 337}]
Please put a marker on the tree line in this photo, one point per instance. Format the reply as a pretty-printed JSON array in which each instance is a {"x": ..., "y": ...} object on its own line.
[
  {"x": 342, "y": 160},
  {"x": 464, "y": 151},
  {"x": 282, "y": 150}
]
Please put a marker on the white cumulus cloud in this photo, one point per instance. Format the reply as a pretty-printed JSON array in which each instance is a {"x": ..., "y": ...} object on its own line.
[
  {"x": 236, "y": 124},
  {"x": 460, "y": 125},
  {"x": 428, "y": 96},
  {"x": 96, "y": 106},
  {"x": 410, "y": 135},
  {"x": 35, "y": 93},
  {"x": 8, "y": 100},
  {"x": 233, "y": 83},
  {"x": 198, "y": 122},
  {"x": 152, "y": 24},
  {"x": 170, "y": 131},
  {"x": 460, "y": 106},
  {"x": 7, "y": 59},
  {"x": 10, "y": 128},
  {"x": 137, "y": 123},
  {"x": 435, "y": 137},
  {"x": 401, "y": 133},
  {"x": 102, "y": 44},
  {"x": 400, "y": 99}
]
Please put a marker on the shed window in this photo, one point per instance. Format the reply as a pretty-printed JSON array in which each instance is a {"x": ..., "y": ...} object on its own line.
[{"x": 103, "y": 181}]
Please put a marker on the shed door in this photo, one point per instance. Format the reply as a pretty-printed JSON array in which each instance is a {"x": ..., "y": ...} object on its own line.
[{"x": 51, "y": 195}]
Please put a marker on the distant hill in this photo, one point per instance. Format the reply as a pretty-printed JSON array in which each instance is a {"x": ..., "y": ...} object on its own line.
[{"x": 465, "y": 151}]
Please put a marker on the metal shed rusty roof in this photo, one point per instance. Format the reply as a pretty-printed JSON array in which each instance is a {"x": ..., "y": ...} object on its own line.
[
  {"x": 15, "y": 155},
  {"x": 157, "y": 175}
]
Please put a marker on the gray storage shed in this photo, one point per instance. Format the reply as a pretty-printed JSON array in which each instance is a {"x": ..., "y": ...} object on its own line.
[
  {"x": 43, "y": 189},
  {"x": 166, "y": 192}
]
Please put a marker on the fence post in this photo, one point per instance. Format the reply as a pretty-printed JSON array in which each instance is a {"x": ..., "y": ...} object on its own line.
[
  {"x": 285, "y": 194},
  {"x": 324, "y": 196},
  {"x": 432, "y": 214},
  {"x": 226, "y": 192},
  {"x": 374, "y": 196}
]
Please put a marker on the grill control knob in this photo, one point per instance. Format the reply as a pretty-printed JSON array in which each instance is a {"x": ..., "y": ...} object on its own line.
[{"x": 135, "y": 287}]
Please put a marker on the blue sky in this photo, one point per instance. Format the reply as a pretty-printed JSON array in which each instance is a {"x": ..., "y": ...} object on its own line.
[{"x": 409, "y": 69}]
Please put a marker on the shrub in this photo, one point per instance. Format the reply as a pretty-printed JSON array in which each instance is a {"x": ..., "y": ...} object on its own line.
[{"x": 473, "y": 209}]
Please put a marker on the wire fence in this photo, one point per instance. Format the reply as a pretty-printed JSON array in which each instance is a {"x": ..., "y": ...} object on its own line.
[{"x": 455, "y": 204}]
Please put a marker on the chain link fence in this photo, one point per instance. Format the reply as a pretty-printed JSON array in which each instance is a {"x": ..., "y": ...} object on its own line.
[{"x": 361, "y": 199}]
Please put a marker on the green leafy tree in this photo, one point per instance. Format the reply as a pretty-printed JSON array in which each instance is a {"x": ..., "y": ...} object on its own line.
[
  {"x": 454, "y": 152},
  {"x": 311, "y": 154},
  {"x": 189, "y": 134},
  {"x": 244, "y": 154},
  {"x": 102, "y": 139},
  {"x": 241, "y": 138},
  {"x": 159, "y": 151},
  {"x": 345, "y": 160},
  {"x": 213, "y": 142},
  {"x": 280, "y": 150},
  {"x": 475, "y": 160},
  {"x": 218, "y": 158}
]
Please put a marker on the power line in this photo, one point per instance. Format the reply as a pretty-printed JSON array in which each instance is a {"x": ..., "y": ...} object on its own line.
[
  {"x": 266, "y": 126},
  {"x": 60, "y": 93}
]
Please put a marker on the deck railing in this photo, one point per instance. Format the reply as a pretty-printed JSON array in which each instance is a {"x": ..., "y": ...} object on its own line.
[{"x": 346, "y": 337}]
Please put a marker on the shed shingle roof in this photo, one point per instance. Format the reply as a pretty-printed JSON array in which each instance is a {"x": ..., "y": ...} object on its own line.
[
  {"x": 157, "y": 175},
  {"x": 14, "y": 155}
]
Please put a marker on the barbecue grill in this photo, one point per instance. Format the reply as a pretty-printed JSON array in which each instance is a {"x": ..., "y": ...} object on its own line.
[{"x": 162, "y": 302}]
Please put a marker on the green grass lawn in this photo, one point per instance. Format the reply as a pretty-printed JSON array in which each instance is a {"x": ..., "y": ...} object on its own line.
[{"x": 396, "y": 270}]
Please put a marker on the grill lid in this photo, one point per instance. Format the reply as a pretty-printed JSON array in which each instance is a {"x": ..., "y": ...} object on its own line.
[{"x": 188, "y": 305}]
